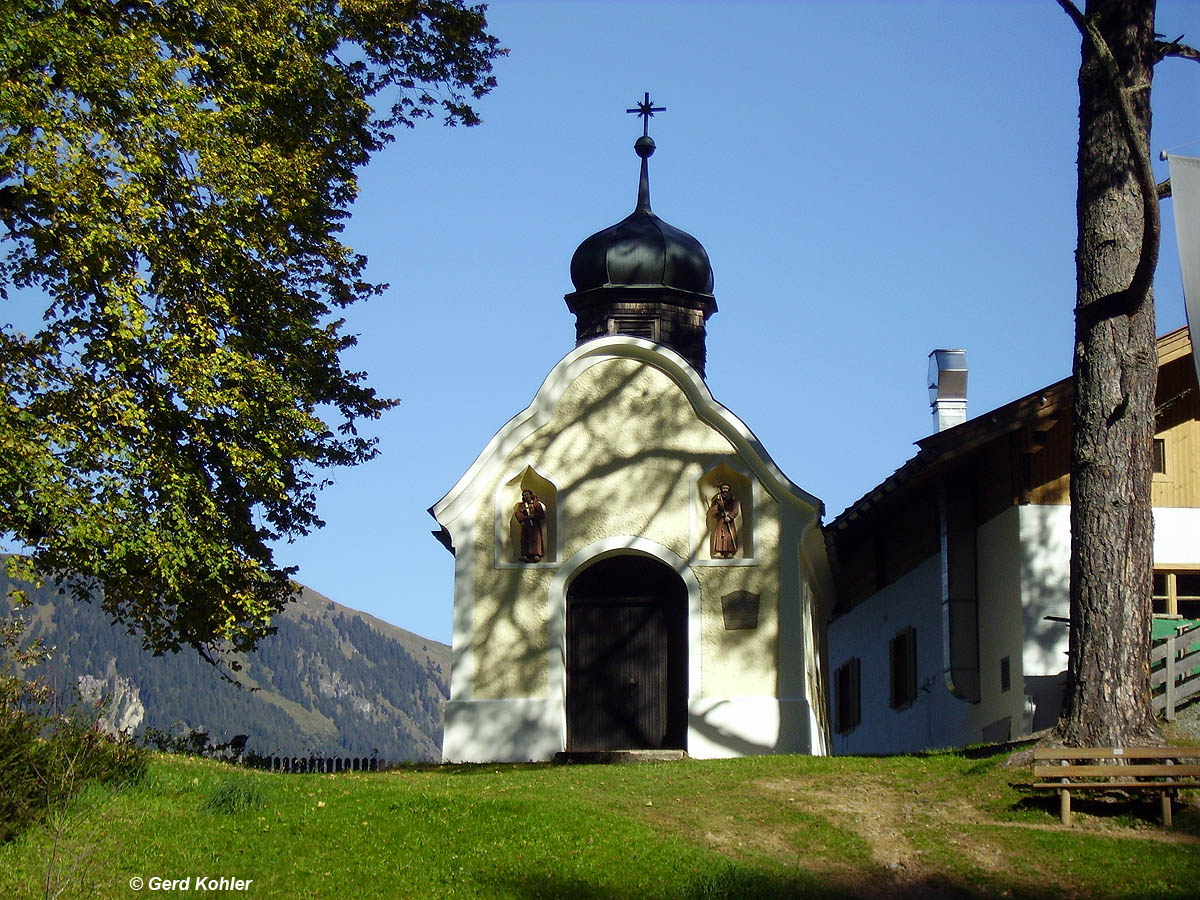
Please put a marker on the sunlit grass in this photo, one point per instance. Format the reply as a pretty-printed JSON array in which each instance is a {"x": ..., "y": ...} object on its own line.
[{"x": 767, "y": 827}]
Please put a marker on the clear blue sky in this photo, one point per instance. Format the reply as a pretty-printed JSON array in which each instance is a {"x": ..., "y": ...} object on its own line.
[{"x": 871, "y": 181}]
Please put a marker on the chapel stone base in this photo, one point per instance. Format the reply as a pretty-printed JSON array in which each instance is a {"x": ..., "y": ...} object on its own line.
[
  {"x": 617, "y": 757},
  {"x": 532, "y": 729}
]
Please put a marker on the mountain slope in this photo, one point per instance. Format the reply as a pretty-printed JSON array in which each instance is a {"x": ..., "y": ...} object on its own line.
[{"x": 332, "y": 681}]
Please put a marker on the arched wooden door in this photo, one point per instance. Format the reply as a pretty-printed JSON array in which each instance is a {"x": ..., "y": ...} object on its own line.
[{"x": 627, "y": 656}]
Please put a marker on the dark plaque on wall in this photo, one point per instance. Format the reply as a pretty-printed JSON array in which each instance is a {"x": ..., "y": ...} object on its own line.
[{"x": 740, "y": 609}]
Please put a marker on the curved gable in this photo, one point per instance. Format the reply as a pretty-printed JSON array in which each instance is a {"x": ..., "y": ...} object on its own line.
[{"x": 567, "y": 396}]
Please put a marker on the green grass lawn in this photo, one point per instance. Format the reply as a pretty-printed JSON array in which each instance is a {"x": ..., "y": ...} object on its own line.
[{"x": 933, "y": 826}]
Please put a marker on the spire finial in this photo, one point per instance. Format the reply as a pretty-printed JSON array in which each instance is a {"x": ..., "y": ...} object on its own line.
[
  {"x": 644, "y": 147},
  {"x": 646, "y": 110}
]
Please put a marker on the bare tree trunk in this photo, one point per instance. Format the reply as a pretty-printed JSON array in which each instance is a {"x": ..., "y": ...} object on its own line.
[{"x": 1115, "y": 372}]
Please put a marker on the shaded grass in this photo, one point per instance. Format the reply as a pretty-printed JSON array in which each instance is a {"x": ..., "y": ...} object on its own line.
[
  {"x": 939, "y": 825},
  {"x": 235, "y": 795}
]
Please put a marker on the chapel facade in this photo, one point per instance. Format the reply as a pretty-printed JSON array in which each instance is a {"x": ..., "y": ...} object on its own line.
[{"x": 632, "y": 570}]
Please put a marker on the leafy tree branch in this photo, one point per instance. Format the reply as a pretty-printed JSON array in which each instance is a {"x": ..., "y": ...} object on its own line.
[{"x": 174, "y": 180}]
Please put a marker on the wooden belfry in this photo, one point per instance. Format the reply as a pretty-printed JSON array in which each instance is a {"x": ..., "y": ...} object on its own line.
[{"x": 643, "y": 277}]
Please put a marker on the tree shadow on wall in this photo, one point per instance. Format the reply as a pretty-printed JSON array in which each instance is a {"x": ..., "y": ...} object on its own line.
[
  {"x": 655, "y": 475},
  {"x": 634, "y": 478},
  {"x": 1045, "y": 584}
]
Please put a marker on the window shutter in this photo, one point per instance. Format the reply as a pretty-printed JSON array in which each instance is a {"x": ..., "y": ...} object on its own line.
[{"x": 855, "y": 694}]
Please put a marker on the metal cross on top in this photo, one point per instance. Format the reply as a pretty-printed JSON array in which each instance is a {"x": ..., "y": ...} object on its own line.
[{"x": 646, "y": 109}]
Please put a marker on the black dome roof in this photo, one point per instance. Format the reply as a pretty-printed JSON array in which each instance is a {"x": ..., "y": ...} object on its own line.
[
  {"x": 644, "y": 278},
  {"x": 642, "y": 250}
]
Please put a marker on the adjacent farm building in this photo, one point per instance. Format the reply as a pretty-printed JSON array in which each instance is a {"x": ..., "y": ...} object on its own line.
[{"x": 951, "y": 621}]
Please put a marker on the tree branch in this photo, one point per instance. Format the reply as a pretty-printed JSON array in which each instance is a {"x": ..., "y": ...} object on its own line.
[
  {"x": 1164, "y": 189},
  {"x": 1163, "y": 49},
  {"x": 1143, "y": 274}
]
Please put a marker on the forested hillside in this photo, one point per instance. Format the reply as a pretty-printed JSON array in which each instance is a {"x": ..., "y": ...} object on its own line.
[{"x": 330, "y": 681}]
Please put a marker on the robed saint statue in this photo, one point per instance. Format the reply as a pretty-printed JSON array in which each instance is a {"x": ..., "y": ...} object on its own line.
[
  {"x": 531, "y": 514},
  {"x": 722, "y": 516}
]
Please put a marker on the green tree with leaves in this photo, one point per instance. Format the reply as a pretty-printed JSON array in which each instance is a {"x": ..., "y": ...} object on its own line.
[{"x": 174, "y": 177}]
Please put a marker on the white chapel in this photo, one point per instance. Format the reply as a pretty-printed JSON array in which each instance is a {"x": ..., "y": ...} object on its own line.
[{"x": 632, "y": 571}]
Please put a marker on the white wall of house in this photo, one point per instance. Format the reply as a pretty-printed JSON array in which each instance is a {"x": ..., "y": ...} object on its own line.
[
  {"x": 1045, "y": 568},
  {"x": 936, "y": 718},
  {"x": 1176, "y": 536},
  {"x": 865, "y": 632},
  {"x": 1023, "y": 557},
  {"x": 1000, "y": 712}
]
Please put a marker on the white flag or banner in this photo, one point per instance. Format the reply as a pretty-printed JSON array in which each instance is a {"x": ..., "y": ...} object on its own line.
[{"x": 1185, "y": 198}]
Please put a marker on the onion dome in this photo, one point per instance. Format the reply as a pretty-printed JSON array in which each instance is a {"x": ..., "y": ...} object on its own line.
[
  {"x": 643, "y": 277},
  {"x": 642, "y": 249}
]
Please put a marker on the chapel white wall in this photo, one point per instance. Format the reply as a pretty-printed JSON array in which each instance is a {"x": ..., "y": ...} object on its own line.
[{"x": 624, "y": 448}]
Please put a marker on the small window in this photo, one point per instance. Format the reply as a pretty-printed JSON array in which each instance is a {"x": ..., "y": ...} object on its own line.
[
  {"x": 847, "y": 697},
  {"x": 1160, "y": 456},
  {"x": 1177, "y": 593},
  {"x": 1005, "y": 674},
  {"x": 1187, "y": 594},
  {"x": 1162, "y": 594},
  {"x": 903, "y": 658}
]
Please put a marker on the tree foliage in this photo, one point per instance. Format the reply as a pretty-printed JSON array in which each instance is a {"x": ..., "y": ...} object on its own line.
[{"x": 174, "y": 177}]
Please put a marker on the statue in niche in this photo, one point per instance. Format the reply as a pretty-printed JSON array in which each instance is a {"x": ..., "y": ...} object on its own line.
[
  {"x": 531, "y": 513},
  {"x": 723, "y": 512}
]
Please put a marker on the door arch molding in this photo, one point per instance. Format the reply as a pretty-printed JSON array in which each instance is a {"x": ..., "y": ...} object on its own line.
[{"x": 557, "y": 623}]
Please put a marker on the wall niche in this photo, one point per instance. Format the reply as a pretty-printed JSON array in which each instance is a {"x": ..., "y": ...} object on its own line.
[
  {"x": 725, "y": 521},
  {"x": 519, "y": 519}
]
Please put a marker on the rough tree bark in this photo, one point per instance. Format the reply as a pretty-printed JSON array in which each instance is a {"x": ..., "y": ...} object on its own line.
[{"x": 1115, "y": 373}]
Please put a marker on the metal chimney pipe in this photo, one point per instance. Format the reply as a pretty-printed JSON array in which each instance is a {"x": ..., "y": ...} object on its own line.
[{"x": 948, "y": 388}]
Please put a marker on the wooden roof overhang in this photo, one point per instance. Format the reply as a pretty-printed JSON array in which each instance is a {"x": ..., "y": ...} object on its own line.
[{"x": 1036, "y": 412}]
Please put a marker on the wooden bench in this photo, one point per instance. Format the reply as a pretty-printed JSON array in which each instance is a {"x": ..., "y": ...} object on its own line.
[{"x": 1157, "y": 769}]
